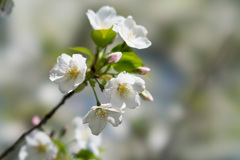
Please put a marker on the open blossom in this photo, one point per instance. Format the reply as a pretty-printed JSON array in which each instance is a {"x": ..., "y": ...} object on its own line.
[
  {"x": 105, "y": 18},
  {"x": 69, "y": 72},
  {"x": 134, "y": 35},
  {"x": 38, "y": 147},
  {"x": 98, "y": 117},
  {"x": 85, "y": 139},
  {"x": 114, "y": 57},
  {"x": 124, "y": 90}
]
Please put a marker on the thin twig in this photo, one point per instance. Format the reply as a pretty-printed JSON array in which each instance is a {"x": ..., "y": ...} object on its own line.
[{"x": 43, "y": 121}]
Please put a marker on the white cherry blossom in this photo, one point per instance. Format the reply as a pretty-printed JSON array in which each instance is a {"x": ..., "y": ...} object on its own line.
[
  {"x": 69, "y": 72},
  {"x": 38, "y": 147},
  {"x": 85, "y": 139},
  {"x": 98, "y": 117},
  {"x": 134, "y": 35},
  {"x": 124, "y": 90},
  {"x": 104, "y": 18}
]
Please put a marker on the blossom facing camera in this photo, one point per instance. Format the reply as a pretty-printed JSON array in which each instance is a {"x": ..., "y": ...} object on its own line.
[
  {"x": 134, "y": 35},
  {"x": 38, "y": 147},
  {"x": 85, "y": 139},
  {"x": 143, "y": 70},
  {"x": 69, "y": 72},
  {"x": 114, "y": 57},
  {"x": 124, "y": 90},
  {"x": 104, "y": 18},
  {"x": 146, "y": 95},
  {"x": 98, "y": 117}
]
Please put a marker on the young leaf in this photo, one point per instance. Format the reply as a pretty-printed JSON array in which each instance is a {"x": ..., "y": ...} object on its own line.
[
  {"x": 128, "y": 62},
  {"x": 103, "y": 37}
]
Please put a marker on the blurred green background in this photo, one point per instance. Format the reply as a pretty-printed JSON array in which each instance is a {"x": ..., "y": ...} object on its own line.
[{"x": 195, "y": 71}]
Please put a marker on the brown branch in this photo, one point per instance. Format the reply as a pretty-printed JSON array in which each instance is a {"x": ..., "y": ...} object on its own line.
[{"x": 43, "y": 121}]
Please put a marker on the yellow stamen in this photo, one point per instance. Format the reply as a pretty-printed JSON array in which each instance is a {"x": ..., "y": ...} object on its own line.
[
  {"x": 41, "y": 147},
  {"x": 101, "y": 113},
  {"x": 72, "y": 73},
  {"x": 129, "y": 36},
  {"x": 123, "y": 90}
]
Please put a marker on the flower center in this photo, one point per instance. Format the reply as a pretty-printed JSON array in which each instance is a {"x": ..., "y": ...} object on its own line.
[
  {"x": 72, "y": 73},
  {"x": 41, "y": 147},
  {"x": 130, "y": 36},
  {"x": 102, "y": 114},
  {"x": 123, "y": 90}
]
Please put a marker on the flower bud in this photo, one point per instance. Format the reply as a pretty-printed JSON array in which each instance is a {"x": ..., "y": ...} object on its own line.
[
  {"x": 114, "y": 57},
  {"x": 143, "y": 70},
  {"x": 35, "y": 120},
  {"x": 145, "y": 95}
]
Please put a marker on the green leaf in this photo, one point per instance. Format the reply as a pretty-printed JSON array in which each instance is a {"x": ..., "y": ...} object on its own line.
[
  {"x": 85, "y": 155},
  {"x": 122, "y": 48},
  {"x": 85, "y": 51},
  {"x": 128, "y": 62},
  {"x": 103, "y": 37}
]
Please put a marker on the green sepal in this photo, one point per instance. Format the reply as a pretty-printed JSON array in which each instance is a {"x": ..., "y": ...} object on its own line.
[
  {"x": 129, "y": 62},
  {"x": 103, "y": 37},
  {"x": 92, "y": 83},
  {"x": 81, "y": 87}
]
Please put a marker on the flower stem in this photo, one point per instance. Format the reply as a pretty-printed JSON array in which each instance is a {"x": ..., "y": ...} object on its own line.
[
  {"x": 123, "y": 45},
  {"x": 108, "y": 67},
  {"x": 94, "y": 91},
  {"x": 99, "y": 84},
  {"x": 95, "y": 60}
]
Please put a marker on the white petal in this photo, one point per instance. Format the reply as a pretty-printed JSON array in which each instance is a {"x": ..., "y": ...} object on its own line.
[
  {"x": 66, "y": 85},
  {"x": 124, "y": 77},
  {"x": 109, "y": 87},
  {"x": 55, "y": 74},
  {"x": 139, "y": 85},
  {"x": 139, "y": 43},
  {"x": 106, "y": 12},
  {"x": 116, "y": 99},
  {"x": 23, "y": 153},
  {"x": 80, "y": 60},
  {"x": 73, "y": 63},
  {"x": 92, "y": 18},
  {"x": 97, "y": 125},
  {"x": 132, "y": 101},
  {"x": 115, "y": 118},
  {"x": 88, "y": 117},
  {"x": 64, "y": 59}
]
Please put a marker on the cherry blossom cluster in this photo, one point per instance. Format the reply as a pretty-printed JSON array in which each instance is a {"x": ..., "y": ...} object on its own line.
[
  {"x": 114, "y": 71},
  {"x": 124, "y": 89}
]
